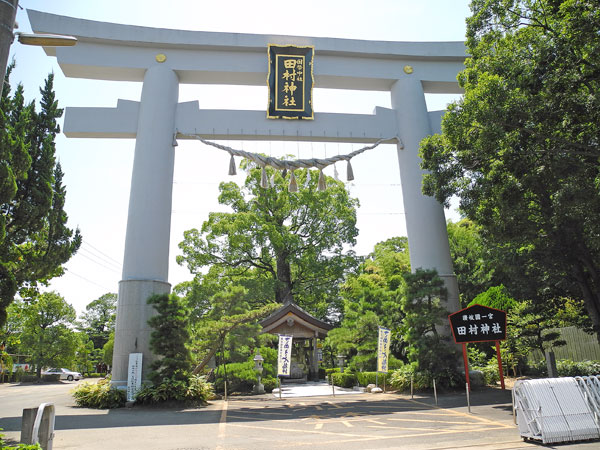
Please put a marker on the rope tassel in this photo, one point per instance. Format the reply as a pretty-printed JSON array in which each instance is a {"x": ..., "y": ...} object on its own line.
[
  {"x": 232, "y": 170},
  {"x": 293, "y": 187},
  {"x": 349, "y": 172},
  {"x": 264, "y": 182},
  {"x": 322, "y": 182}
]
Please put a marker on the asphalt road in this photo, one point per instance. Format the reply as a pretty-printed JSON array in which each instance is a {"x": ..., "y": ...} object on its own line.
[{"x": 350, "y": 422}]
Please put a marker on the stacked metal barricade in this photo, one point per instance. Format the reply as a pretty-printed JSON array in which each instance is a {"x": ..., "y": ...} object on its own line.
[{"x": 558, "y": 409}]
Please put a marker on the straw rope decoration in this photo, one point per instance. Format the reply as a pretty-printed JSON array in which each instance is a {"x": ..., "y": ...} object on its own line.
[{"x": 291, "y": 165}]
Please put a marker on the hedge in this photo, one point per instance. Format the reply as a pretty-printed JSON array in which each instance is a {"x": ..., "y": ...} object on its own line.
[{"x": 346, "y": 379}]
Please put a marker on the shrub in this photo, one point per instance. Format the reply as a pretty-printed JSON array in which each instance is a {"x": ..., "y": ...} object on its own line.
[
  {"x": 328, "y": 373},
  {"x": 51, "y": 377},
  {"x": 495, "y": 297},
  {"x": 99, "y": 396},
  {"x": 346, "y": 379},
  {"x": 489, "y": 371},
  {"x": 400, "y": 379},
  {"x": 193, "y": 391},
  {"x": 18, "y": 446},
  {"x": 366, "y": 378},
  {"x": 567, "y": 368},
  {"x": 19, "y": 374},
  {"x": 240, "y": 377},
  {"x": 28, "y": 378},
  {"x": 269, "y": 383},
  {"x": 422, "y": 380}
]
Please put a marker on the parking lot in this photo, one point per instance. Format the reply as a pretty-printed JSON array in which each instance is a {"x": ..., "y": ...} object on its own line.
[{"x": 359, "y": 421}]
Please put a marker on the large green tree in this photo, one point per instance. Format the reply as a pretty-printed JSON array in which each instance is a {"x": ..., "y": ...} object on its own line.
[
  {"x": 521, "y": 148},
  {"x": 229, "y": 322},
  {"x": 34, "y": 238},
  {"x": 473, "y": 261},
  {"x": 423, "y": 303},
  {"x": 98, "y": 320},
  {"x": 372, "y": 299},
  {"x": 296, "y": 242},
  {"x": 47, "y": 331}
]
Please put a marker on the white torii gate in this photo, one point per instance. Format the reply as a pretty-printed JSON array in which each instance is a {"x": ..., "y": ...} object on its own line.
[{"x": 162, "y": 59}]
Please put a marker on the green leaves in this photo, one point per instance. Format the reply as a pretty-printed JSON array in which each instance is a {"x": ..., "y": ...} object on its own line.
[
  {"x": 372, "y": 298},
  {"x": 521, "y": 149},
  {"x": 169, "y": 339},
  {"x": 34, "y": 238},
  {"x": 99, "y": 395},
  {"x": 297, "y": 240},
  {"x": 98, "y": 320},
  {"x": 47, "y": 331},
  {"x": 421, "y": 303}
]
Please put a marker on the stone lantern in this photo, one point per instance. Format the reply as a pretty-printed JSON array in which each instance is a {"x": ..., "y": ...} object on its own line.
[
  {"x": 341, "y": 359},
  {"x": 258, "y": 367}
]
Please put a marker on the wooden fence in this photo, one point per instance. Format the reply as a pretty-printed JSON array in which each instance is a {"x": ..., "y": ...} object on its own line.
[{"x": 581, "y": 346}]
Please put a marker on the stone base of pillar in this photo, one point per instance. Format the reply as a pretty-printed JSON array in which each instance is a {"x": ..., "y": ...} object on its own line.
[
  {"x": 132, "y": 332},
  {"x": 451, "y": 283}
]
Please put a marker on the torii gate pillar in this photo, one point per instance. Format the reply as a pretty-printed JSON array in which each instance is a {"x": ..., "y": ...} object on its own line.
[
  {"x": 146, "y": 259},
  {"x": 425, "y": 221}
]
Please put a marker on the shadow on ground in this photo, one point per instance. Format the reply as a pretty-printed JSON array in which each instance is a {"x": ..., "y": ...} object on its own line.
[{"x": 256, "y": 409}]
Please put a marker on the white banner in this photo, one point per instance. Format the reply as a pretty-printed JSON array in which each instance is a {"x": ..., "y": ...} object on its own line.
[
  {"x": 134, "y": 375},
  {"x": 284, "y": 355},
  {"x": 383, "y": 349}
]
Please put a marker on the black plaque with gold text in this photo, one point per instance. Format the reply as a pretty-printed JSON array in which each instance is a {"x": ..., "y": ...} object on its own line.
[{"x": 290, "y": 82}]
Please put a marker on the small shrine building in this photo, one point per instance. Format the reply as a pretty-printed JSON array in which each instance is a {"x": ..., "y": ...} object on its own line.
[{"x": 291, "y": 320}]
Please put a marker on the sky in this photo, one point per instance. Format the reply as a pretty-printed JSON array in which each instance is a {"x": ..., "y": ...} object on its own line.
[{"x": 98, "y": 171}]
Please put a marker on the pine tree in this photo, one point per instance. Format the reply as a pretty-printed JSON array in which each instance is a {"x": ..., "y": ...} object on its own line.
[
  {"x": 34, "y": 238},
  {"x": 422, "y": 304},
  {"x": 169, "y": 339}
]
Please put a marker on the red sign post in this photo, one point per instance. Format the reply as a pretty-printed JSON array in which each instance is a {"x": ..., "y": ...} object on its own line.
[{"x": 479, "y": 323}]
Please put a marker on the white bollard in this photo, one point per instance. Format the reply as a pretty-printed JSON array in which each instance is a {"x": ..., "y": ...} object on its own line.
[
  {"x": 468, "y": 398},
  {"x": 45, "y": 435}
]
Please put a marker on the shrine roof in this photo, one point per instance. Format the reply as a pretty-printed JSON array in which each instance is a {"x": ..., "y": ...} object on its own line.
[{"x": 292, "y": 309}]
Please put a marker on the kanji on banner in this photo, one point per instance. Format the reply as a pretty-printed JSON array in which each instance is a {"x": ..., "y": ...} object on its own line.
[
  {"x": 383, "y": 349},
  {"x": 284, "y": 356}
]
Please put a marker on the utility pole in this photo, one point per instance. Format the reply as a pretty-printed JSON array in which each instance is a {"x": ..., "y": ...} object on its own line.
[{"x": 8, "y": 13}]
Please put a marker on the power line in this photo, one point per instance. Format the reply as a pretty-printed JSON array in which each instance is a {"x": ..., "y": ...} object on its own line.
[
  {"x": 102, "y": 259},
  {"x": 89, "y": 281},
  {"x": 380, "y": 213},
  {"x": 99, "y": 264},
  {"x": 102, "y": 253}
]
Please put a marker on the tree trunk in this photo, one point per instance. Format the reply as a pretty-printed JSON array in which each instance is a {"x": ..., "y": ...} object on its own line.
[
  {"x": 283, "y": 293},
  {"x": 211, "y": 353},
  {"x": 590, "y": 297}
]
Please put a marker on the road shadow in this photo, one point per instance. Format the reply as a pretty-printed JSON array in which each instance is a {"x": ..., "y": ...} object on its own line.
[{"x": 258, "y": 409}]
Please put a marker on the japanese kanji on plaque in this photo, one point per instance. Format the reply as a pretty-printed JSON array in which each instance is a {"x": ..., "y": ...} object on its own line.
[
  {"x": 290, "y": 82},
  {"x": 478, "y": 323}
]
